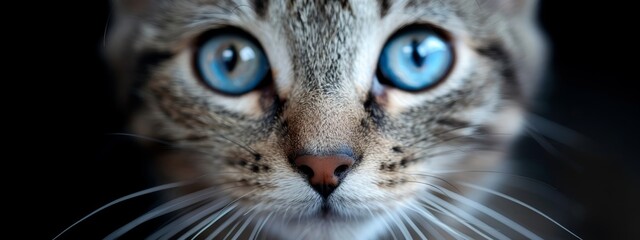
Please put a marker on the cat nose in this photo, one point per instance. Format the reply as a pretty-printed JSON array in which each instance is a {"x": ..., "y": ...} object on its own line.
[{"x": 324, "y": 172}]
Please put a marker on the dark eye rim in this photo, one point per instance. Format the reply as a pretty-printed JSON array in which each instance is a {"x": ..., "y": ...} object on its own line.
[
  {"x": 205, "y": 37},
  {"x": 446, "y": 36}
]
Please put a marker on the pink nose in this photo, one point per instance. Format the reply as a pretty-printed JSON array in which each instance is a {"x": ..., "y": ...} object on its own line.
[{"x": 324, "y": 172}]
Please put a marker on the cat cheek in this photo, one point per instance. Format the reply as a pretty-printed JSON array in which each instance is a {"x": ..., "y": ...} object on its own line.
[{"x": 509, "y": 120}]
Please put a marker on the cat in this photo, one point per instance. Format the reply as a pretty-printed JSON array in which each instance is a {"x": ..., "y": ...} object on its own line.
[{"x": 329, "y": 119}]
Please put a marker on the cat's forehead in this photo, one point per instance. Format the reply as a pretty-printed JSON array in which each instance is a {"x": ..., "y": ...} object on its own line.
[
  {"x": 311, "y": 19},
  {"x": 339, "y": 13}
]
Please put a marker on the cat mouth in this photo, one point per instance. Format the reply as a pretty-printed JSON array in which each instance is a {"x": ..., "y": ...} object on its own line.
[{"x": 325, "y": 210}]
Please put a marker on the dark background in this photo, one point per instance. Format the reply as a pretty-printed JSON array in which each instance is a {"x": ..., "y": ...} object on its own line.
[{"x": 591, "y": 90}]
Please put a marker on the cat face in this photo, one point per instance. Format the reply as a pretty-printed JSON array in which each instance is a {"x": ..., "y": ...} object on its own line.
[{"x": 305, "y": 112}]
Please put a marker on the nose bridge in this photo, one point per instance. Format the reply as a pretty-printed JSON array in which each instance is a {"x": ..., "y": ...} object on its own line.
[
  {"x": 321, "y": 111},
  {"x": 320, "y": 122}
]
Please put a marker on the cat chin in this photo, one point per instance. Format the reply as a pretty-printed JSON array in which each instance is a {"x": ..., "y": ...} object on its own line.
[
  {"x": 329, "y": 229},
  {"x": 374, "y": 224}
]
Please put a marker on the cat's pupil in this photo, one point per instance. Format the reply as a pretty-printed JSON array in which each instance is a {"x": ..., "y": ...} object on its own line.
[
  {"x": 230, "y": 58},
  {"x": 418, "y": 53}
]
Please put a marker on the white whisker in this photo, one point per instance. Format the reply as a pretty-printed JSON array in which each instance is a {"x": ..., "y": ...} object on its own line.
[
  {"x": 386, "y": 225},
  {"x": 261, "y": 223},
  {"x": 521, "y": 204},
  {"x": 187, "y": 220},
  {"x": 495, "y": 215},
  {"x": 400, "y": 225},
  {"x": 555, "y": 131},
  {"x": 125, "y": 198},
  {"x": 429, "y": 216},
  {"x": 150, "y": 139},
  {"x": 472, "y": 171},
  {"x": 434, "y": 232},
  {"x": 468, "y": 218},
  {"x": 545, "y": 144},
  {"x": 173, "y": 205},
  {"x": 106, "y": 30},
  {"x": 207, "y": 222},
  {"x": 236, "y": 215},
  {"x": 412, "y": 225},
  {"x": 229, "y": 231},
  {"x": 244, "y": 226},
  {"x": 304, "y": 233},
  {"x": 212, "y": 222}
]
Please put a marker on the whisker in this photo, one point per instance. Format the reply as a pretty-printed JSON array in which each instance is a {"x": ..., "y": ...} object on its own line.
[
  {"x": 529, "y": 179},
  {"x": 183, "y": 222},
  {"x": 521, "y": 204},
  {"x": 385, "y": 222},
  {"x": 470, "y": 137},
  {"x": 163, "y": 142},
  {"x": 173, "y": 205},
  {"x": 430, "y": 217},
  {"x": 303, "y": 234},
  {"x": 256, "y": 231},
  {"x": 544, "y": 143},
  {"x": 215, "y": 217},
  {"x": 106, "y": 28},
  {"x": 552, "y": 149},
  {"x": 434, "y": 232},
  {"x": 430, "y": 185},
  {"x": 432, "y": 176},
  {"x": 442, "y": 141},
  {"x": 244, "y": 226},
  {"x": 232, "y": 202},
  {"x": 412, "y": 225},
  {"x": 442, "y": 133},
  {"x": 426, "y": 212},
  {"x": 425, "y": 153},
  {"x": 125, "y": 198},
  {"x": 230, "y": 231},
  {"x": 449, "y": 153},
  {"x": 243, "y": 146},
  {"x": 495, "y": 215},
  {"x": 251, "y": 209},
  {"x": 431, "y": 230},
  {"x": 442, "y": 205},
  {"x": 400, "y": 225},
  {"x": 430, "y": 206},
  {"x": 556, "y": 131},
  {"x": 150, "y": 139},
  {"x": 207, "y": 224}
]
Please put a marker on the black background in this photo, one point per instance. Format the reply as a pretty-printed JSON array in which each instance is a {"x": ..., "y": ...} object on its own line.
[{"x": 78, "y": 167}]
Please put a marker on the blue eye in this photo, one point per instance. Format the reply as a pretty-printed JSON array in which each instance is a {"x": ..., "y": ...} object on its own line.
[
  {"x": 231, "y": 63},
  {"x": 415, "y": 59}
]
